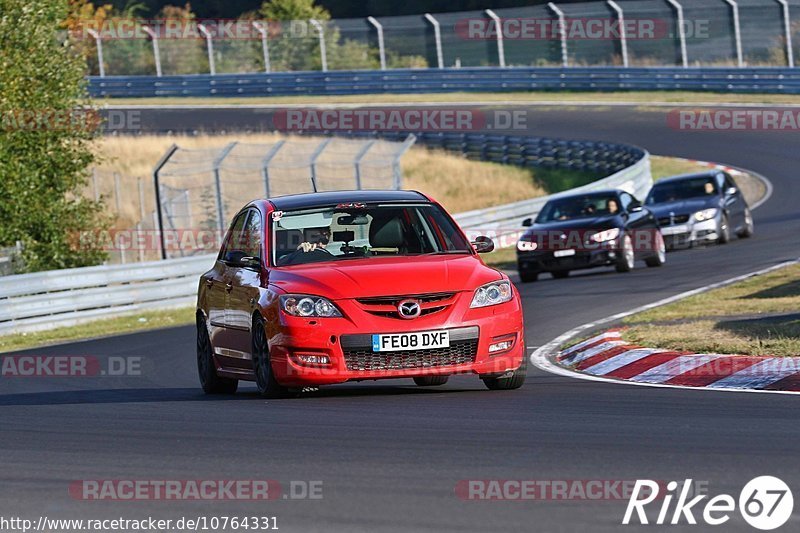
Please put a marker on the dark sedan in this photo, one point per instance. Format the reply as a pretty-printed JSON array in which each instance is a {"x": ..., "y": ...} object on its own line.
[
  {"x": 604, "y": 228},
  {"x": 700, "y": 208}
]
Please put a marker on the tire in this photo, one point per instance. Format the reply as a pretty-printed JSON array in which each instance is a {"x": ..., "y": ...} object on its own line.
[
  {"x": 266, "y": 384},
  {"x": 514, "y": 381},
  {"x": 206, "y": 369},
  {"x": 627, "y": 258},
  {"x": 724, "y": 230},
  {"x": 560, "y": 274},
  {"x": 528, "y": 277},
  {"x": 747, "y": 231},
  {"x": 431, "y": 381},
  {"x": 660, "y": 256}
]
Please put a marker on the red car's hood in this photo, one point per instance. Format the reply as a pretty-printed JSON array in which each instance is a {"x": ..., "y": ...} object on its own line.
[{"x": 385, "y": 276}]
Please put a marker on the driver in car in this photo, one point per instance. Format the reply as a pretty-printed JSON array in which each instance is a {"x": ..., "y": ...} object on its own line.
[{"x": 313, "y": 249}]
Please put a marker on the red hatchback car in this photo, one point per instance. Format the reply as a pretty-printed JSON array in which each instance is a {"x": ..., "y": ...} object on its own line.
[{"x": 323, "y": 288}]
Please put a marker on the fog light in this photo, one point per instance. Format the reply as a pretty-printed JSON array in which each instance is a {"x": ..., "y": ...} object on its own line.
[
  {"x": 501, "y": 344},
  {"x": 312, "y": 359}
]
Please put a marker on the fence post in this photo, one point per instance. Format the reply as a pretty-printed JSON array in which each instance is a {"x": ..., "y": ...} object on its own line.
[
  {"x": 323, "y": 53},
  {"x": 99, "y": 43},
  {"x": 737, "y": 31},
  {"x": 681, "y": 31},
  {"x": 313, "y": 161},
  {"x": 562, "y": 31},
  {"x": 498, "y": 24},
  {"x": 381, "y": 48},
  {"x": 159, "y": 217},
  {"x": 156, "y": 53},
  {"x": 265, "y": 165},
  {"x": 623, "y": 39},
  {"x": 210, "y": 46},
  {"x": 437, "y": 36},
  {"x": 218, "y": 185},
  {"x": 787, "y": 28},
  {"x": 359, "y": 156},
  {"x": 264, "y": 44},
  {"x": 396, "y": 174}
]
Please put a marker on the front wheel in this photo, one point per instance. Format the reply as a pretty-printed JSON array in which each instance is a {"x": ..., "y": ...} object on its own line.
[
  {"x": 206, "y": 369},
  {"x": 660, "y": 257},
  {"x": 431, "y": 381},
  {"x": 627, "y": 259},
  {"x": 266, "y": 384},
  {"x": 560, "y": 274},
  {"x": 724, "y": 230},
  {"x": 749, "y": 227},
  {"x": 528, "y": 277},
  {"x": 508, "y": 382}
]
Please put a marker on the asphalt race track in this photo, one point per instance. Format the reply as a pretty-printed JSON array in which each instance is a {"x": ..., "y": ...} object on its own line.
[{"x": 389, "y": 454}]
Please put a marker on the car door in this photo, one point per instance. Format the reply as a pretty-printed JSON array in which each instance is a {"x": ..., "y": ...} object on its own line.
[
  {"x": 733, "y": 201},
  {"x": 639, "y": 222},
  {"x": 245, "y": 290},
  {"x": 225, "y": 334}
]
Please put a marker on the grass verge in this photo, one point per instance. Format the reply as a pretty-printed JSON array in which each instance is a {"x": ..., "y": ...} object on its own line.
[
  {"x": 643, "y": 97},
  {"x": 145, "y": 320},
  {"x": 758, "y": 316}
]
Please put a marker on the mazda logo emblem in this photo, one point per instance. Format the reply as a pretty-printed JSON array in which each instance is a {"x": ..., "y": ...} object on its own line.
[{"x": 409, "y": 309}]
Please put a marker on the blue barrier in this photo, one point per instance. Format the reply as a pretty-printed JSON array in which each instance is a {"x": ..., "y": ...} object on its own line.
[{"x": 481, "y": 79}]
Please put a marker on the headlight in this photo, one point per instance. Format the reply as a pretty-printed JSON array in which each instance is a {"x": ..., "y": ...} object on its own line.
[
  {"x": 526, "y": 246},
  {"x": 706, "y": 214},
  {"x": 606, "y": 235},
  {"x": 308, "y": 306},
  {"x": 493, "y": 293}
]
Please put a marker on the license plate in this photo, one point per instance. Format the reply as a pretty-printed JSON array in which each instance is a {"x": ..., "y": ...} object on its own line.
[
  {"x": 419, "y": 340},
  {"x": 563, "y": 253},
  {"x": 672, "y": 230}
]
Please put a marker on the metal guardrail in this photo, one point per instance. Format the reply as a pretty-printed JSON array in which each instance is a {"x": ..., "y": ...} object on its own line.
[
  {"x": 474, "y": 79},
  {"x": 44, "y": 300}
]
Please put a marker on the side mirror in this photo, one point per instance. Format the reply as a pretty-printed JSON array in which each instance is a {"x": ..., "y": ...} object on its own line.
[
  {"x": 635, "y": 207},
  {"x": 483, "y": 244},
  {"x": 730, "y": 191},
  {"x": 250, "y": 262},
  {"x": 528, "y": 222}
]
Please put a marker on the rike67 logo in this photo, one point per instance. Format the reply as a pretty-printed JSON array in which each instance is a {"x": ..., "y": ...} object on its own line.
[{"x": 765, "y": 503}]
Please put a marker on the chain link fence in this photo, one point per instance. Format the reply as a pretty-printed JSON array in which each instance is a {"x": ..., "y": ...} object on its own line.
[{"x": 598, "y": 33}]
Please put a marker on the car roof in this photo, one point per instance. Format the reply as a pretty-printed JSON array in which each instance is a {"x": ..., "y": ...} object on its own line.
[
  {"x": 319, "y": 199},
  {"x": 601, "y": 192},
  {"x": 704, "y": 174}
]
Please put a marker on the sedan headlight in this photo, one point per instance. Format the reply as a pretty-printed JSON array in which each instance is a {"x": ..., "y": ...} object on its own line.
[
  {"x": 494, "y": 293},
  {"x": 706, "y": 214},
  {"x": 605, "y": 235},
  {"x": 308, "y": 306}
]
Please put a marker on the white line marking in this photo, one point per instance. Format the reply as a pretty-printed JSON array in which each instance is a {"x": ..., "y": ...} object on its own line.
[
  {"x": 618, "y": 361},
  {"x": 591, "y": 352},
  {"x": 675, "y": 367},
  {"x": 760, "y": 374}
]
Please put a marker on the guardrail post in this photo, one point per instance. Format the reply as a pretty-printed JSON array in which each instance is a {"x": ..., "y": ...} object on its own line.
[
  {"x": 381, "y": 49},
  {"x": 623, "y": 39},
  {"x": 359, "y": 156},
  {"x": 681, "y": 31},
  {"x": 498, "y": 24},
  {"x": 787, "y": 28},
  {"x": 323, "y": 53},
  {"x": 313, "y": 162},
  {"x": 264, "y": 44},
  {"x": 397, "y": 176},
  {"x": 265, "y": 164},
  {"x": 562, "y": 31},
  {"x": 99, "y": 43},
  {"x": 156, "y": 53},
  {"x": 210, "y": 46},
  {"x": 218, "y": 185},
  {"x": 159, "y": 217},
  {"x": 737, "y": 31},
  {"x": 437, "y": 36}
]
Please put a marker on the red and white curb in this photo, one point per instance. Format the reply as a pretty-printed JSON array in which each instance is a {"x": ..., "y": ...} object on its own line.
[{"x": 608, "y": 356}]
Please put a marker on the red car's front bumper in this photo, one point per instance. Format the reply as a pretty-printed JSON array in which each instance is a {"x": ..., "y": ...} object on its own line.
[{"x": 347, "y": 345}]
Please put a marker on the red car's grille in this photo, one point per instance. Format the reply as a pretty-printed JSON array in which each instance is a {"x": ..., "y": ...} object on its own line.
[
  {"x": 387, "y": 305},
  {"x": 358, "y": 354}
]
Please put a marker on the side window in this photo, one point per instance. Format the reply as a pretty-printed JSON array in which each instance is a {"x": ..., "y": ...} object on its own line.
[
  {"x": 728, "y": 183},
  {"x": 234, "y": 239},
  {"x": 721, "y": 179},
  {"x": 253, "y": 234},
  {"x": 626, "y": 200}
]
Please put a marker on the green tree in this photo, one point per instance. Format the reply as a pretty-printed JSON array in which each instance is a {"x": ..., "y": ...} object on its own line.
[{"x": 45, "y": 139}]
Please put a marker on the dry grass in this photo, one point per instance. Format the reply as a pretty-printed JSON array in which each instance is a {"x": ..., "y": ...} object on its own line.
[
  {"x": 758, "y": 316},
  {"x": 459, "y": 184}
]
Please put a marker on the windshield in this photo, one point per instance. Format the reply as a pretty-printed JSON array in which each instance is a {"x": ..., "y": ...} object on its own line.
[
  {"x": 673, "y": 191},
  {"x": 352, "y": 231},
  {"x": 575, "y": 207}
]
